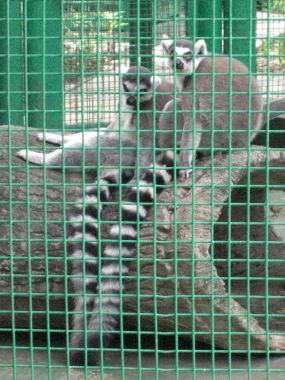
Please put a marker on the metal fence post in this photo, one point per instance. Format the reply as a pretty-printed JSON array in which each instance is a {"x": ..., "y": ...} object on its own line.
[
  {"x": 140, "y": 32},
  {"x": 44, "y": 63},
  {"x": 204, "y": 20},
  {"x": 239, "y": 31},
  {"x": 11, "y": 63}
]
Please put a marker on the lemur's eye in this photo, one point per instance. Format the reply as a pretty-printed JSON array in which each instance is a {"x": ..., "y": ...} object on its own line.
[
  {"x": 188, "y": 56},
  {"x": 143, "y": 90},
  {"x": 125, "y": 88}
]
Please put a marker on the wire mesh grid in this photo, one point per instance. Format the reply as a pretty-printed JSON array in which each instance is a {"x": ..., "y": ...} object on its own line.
[{"x": 204, "y": 298}]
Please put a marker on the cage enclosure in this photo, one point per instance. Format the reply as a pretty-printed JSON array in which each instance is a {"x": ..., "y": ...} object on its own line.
[{"x": 209, "y": 262}]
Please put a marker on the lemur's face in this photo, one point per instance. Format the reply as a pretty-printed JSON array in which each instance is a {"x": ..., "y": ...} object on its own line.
[
  {"x": 134, "y": 92},
  {"x": 184, "y": 56},
  {"x": 138, "y": 84}
]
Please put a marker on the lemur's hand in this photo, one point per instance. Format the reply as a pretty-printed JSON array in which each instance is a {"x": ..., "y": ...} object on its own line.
[
  {"x": 185, "y": 164},
  {"x": 184, "y": 174}
]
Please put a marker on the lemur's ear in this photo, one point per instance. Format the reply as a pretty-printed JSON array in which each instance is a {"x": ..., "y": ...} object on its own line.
[
  {"x": 123, "y": 69},
  {"x": 166, "y": 43},
  {"x": 201, "y": 48},
  {"x": 155, "y": 81}
]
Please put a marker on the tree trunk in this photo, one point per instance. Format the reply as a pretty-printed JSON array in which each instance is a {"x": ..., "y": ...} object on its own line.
[{"x": 197, "y": 259}]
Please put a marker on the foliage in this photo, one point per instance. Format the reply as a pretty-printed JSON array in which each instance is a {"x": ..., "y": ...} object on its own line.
[
  {"x": 84, "y": 39},
  {"x": 278, "y": 6},
  {"x": 113, "y": 21},
  {"x": 261, "y": 4},
  {"x": 105, "y": 22},
  {"x": 275, "y": 48}
]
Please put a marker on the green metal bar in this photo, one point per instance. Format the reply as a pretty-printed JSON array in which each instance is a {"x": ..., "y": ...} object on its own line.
[
  {"x": 44, "y": 51},
  {"x": 191, "y": 21},
  {"x": 140, "y": 33},
  {"x": 133, "y": 33},
  {"x": 146, "y": 33},
  {"x": 209, "y": 14},
  {"x": 11, "y": 63},
  {"x": 242, "y": 15},
  {"x": 208, "y": 18}
]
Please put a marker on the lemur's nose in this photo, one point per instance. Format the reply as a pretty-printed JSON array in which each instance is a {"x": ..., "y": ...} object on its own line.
[
  {"x": 179, "y": 64},
  {"x": 131, "y": 101}
]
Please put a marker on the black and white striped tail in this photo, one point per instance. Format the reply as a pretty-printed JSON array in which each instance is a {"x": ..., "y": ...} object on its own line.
[
  {"x": 104, "y": 318},
  {"x": 83, "y": 258}
]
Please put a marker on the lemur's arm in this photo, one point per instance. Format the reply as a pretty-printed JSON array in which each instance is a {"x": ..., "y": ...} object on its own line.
[{"x": 170, "y": 125}]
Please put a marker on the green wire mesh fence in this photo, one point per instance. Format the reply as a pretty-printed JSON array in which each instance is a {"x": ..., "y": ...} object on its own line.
[{"x": 204, "y": 298}]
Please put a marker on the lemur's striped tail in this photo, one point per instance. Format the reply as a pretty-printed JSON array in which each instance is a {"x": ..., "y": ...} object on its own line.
[
  {"x": 83, "y": 258},
  {"x": 104, "y": 318}
]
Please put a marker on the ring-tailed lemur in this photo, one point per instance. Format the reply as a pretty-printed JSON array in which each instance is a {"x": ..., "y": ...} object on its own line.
[
  {"x": 81, "y": 148},
  {"x": 222, "y": 106},
  {"x": 84, "y": 226}
]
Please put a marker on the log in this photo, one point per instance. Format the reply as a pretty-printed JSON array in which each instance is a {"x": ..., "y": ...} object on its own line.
[
  {"x": 213, "y": 261},
  {"x": 34, "y": 252}
]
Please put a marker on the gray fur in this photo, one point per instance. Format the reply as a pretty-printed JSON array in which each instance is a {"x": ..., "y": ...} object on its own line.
[
  {"x": 148, "y": 121},
  {"x": 234, "y": 111},
  {"x": 171, "y": 125}
]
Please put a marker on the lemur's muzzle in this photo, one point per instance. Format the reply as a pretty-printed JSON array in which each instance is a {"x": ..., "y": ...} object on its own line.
[
  {"x": 179, "y": 64},
  {"x": 131, "y": 101}
]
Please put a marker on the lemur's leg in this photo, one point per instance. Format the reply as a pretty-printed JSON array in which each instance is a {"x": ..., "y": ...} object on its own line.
[
  {"x": 69, "y": 156},
  {"x": 104, "y": 316},
  {"x": 59, "y": 139},
  {"x": 83, "y": 253},
  {"x": 190, "y": 141},
  {"x": 49, "y": 159},
  {"x": 74, "y": 153},
  {"x": 51, "y": 138}
]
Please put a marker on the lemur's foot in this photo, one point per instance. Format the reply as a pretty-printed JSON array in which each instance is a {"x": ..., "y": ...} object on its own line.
[
  {"x": 51, "y": 138},
  {"x": 77, "y": 358},
  {"x": 185, "y": 174},
  {"x": 185, "y": 164},
  {"x": 30, "y": 156},
  {"x": 40, "y": 136},
  {"x": 22, "y": 154}
]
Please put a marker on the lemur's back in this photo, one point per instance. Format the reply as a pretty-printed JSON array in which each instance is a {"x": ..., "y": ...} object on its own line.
[{"x": 227, "y": 98}]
